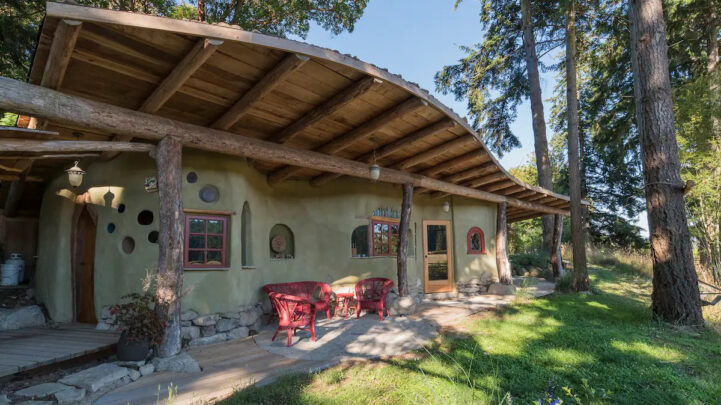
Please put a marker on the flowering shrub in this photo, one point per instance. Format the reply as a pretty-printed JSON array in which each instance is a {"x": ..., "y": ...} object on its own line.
[{"x": 137, "y": 318}]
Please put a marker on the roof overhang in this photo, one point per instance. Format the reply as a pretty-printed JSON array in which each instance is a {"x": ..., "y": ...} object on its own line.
[{"x": 299, "y": 96}]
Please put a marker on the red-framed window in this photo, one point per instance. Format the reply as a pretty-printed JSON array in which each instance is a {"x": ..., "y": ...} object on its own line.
[
  {"x": 206, "y": 241},
  {"x": 384, "y": 238},
  {"x": 476, "y": 241}
]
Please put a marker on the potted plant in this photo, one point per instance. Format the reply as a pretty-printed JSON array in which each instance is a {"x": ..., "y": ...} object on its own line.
[{"x": 140, "y": 325}]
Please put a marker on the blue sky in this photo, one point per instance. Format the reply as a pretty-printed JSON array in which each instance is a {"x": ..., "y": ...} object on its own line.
[{"x": 416, "y": 38}]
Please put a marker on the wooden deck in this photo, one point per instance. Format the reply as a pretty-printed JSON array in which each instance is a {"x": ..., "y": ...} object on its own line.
[{"x": 29, "y": 348}]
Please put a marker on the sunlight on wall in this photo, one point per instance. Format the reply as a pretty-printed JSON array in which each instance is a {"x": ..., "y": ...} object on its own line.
[{"x": 104, "y": 196}]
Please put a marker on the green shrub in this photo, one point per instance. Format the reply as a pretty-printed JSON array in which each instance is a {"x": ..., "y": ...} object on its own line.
[
  {"x": 538, "y": 258},
  {"x": 564, "y": 284}
]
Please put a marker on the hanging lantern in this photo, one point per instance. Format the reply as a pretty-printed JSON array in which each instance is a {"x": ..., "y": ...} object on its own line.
[
  {"x": 374, "y": 171},
  {"x": 75, "y": 175},
  {"x": 446, "y": 206}
]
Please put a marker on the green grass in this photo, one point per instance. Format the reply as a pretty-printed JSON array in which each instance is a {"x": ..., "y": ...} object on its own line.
[{"x": 595, "y": 345}]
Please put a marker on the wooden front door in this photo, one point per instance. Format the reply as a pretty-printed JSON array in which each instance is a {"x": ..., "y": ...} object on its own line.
[
  {"x": 84, "y": 268},
  {"x": 437, "y": 256}
]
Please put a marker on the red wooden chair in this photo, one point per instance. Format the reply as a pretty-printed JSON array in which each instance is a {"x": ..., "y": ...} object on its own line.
[
  {"x": 371, "y": 295},
  {"x": 293, "y": 313},
  {"x": 317, "y": 293}
]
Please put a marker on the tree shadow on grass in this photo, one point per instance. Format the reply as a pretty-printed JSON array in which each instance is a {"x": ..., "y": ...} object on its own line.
[{"x": 608, "y": 340}]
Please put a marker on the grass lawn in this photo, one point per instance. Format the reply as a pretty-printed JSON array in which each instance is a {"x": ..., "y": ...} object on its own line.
[{"x": 595, "y": 345}]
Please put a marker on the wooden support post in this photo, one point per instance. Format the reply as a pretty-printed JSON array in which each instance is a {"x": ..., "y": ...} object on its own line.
[
  {"x": 556, "y": 259},
  {"x": 403, "y": 239},
  {"x": 170, "y": 241},
  {"x": 504, "y": 267},
  {"x": 15, "y": 193}
]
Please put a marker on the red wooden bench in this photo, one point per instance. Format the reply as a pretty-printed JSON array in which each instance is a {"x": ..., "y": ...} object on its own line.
[{"x": 371, "y": 295}]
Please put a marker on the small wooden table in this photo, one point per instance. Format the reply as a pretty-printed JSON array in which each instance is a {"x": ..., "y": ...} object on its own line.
[{"x": 345, "y": 298}]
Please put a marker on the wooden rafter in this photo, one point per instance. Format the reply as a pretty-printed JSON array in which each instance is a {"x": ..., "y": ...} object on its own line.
[
  {"x": 329, "y": 107},
  {"x": 357, "y": 134},
  {"x": 491, "y": 178},
  {"x": 27, "y": 133},
  {"x": 500, "y": 186},
  {"x": 50, "y": 156},
  {"x": 193, "y": 60},
  {"x": 477, "y": 171},
  {"x": 67, "y": 109},
  {"x": 61, "y": 49},
  {"x": 277, "y": 75},
  {"x": 454, "y": 162},
  {"x": 462, "y": 141},
  {"x": 392, "y": 147}
]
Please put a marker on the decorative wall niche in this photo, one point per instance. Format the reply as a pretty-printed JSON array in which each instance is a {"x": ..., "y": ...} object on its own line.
[
  {"x": 209, "y": 194},
  {"x": 128, "y": 245},
  {"x": 359, "y": 242},
  {"x": 476, "y": 241},
  {"x": 145, "y": 217},
  {"x": 282, "y": 243}
]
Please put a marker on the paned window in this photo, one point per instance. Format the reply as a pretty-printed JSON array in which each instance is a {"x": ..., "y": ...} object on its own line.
[{"x": 206, "y": 241}]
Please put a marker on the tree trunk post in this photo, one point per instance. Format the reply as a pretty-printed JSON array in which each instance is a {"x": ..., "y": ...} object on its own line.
[
  {"x": 15, "y": 193},
  {"x": 170, "y": 241},
  {"x": 504, "y": 267},
  {"x": 556, "y": 259},
  {"x": 403, "y": 228},
  {"x": 543, "y": 163},
  {"x": 578, "y": 238},
  {"x": 675, "y": 296}
]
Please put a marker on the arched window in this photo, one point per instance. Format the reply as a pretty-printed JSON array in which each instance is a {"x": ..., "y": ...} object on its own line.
[
  {"x": 476, "y": 241},
  {"x": 282, "y": 243},
  {"x": 359, "y": 242},
  {"x": 245, "y": 238}
]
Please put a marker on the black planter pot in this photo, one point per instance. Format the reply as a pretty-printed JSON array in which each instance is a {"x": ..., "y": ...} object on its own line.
[{"x": 132, "y": 351}]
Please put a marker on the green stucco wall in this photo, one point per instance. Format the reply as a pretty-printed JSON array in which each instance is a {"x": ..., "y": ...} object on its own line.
[{"x": 321, "y": 219}]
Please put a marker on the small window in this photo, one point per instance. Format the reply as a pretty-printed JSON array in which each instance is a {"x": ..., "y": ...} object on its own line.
[
  {"x": 206, "y": 241},
  {"x": 359, "y": 241},
  {"x": 282, "y": 243},
  {"x": 385, "y": 238},
  {"x": 411, "y": 244},
  {"x": 476, "y": 242}
]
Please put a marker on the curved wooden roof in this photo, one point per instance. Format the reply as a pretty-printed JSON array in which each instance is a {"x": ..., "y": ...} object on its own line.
[{"x": 269, "y": 88}]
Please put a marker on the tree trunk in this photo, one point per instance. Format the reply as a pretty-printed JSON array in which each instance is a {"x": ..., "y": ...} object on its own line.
[
  {"x": 578, "y": 237},
  {"x": 403, "y": 240},
  {"x": 201, "y": 10},
  {"x": 15, "y": 192},
  {"x": 170, "y": 242},
  {"x": 712, "y": 41},
  {"x": 504, "y": 267},
  {"x": 543, "y": 163},
  {"x": 556, "y": 259},
  {"x": 675, "y": 296}
]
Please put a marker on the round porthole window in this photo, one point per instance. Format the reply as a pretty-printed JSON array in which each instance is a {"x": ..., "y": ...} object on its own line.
[
  {"x": 209, "y": 194},
  {"x": 192, "y": 177},
  {"x": 128, "y": 245},
  {"x": 145, "y": 217},
  {"x": 153, "y": 237},
  {"x": 121, "y": 208},
  {"x": 111, "y": 227}
]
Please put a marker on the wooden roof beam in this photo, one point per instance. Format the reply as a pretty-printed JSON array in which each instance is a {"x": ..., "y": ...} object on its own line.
[
  {"x": 277, "y": 75},
  {"x": 49, "y": 156},
  {"x": 362, "y": 132},
  {"x": 32, "y": 100},
  {"x": 392, "y": 147},
  {"x": 491, "y": 178},
  {"x": 459, "y": 142},
  {"x": 500, "y": 186},
  {"x": 193, "y": 60},
  {"x": 455, "y": 162},
  {"x": 28, "y": 145},
  {"x": 471, "y": 173},
  {"x": 329, "y": 107},
  {"x": 524, "y": 194}
]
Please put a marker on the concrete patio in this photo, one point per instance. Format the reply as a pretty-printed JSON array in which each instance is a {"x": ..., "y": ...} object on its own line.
[{"x": 233, "y": 365}]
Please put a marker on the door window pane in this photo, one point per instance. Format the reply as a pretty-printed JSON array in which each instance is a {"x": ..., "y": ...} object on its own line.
[
  {"x": 436, "y": 237},
  {"x": 438, "y": 271}
]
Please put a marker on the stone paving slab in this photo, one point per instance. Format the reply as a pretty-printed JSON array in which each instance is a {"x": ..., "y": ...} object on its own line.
[{"x": 352, "y": 339}]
